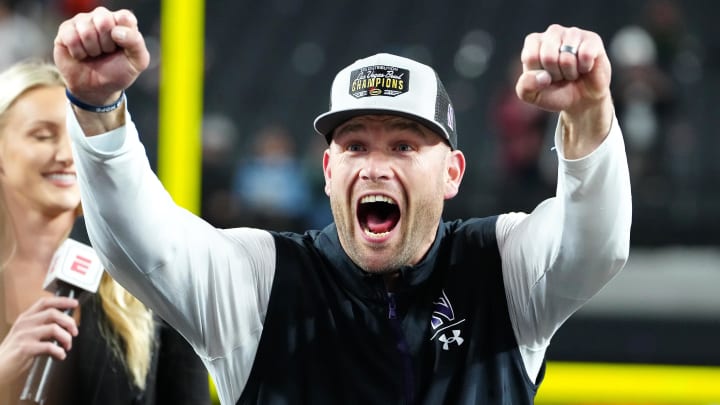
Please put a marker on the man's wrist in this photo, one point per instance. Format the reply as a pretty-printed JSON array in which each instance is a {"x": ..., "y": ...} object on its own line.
[
  {"x": 95, "y": 108},
  {"x": 93, "y": 123}
]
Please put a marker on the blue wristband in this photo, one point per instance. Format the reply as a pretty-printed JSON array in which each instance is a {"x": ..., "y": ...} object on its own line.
[{"x": 93, "y": 108}]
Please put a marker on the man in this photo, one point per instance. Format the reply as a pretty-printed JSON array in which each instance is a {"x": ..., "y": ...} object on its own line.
[{"x": 390, "y": 304}]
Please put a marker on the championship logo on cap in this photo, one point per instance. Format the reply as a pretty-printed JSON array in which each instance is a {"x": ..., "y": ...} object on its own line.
[
  {"x": 379, "y": 80},
  {"x": 357, "y": 90}
]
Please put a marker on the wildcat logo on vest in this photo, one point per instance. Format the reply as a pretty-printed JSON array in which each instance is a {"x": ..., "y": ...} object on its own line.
[{"x": 442, "y": 319}]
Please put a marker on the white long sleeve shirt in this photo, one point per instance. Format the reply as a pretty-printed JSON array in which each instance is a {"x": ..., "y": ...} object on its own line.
[{"x": 214, "y": 285}]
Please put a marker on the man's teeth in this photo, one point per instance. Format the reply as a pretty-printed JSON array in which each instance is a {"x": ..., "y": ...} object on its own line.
[
  {"x": 372, "y": 234},
  {"x": 377, "y": 198}
]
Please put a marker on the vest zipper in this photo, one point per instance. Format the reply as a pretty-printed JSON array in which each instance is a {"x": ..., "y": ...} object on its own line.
[{"x": 402, "y": 346}]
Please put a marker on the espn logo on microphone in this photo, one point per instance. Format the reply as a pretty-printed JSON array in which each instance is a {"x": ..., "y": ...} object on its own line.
[{"x": 77, "y": 264}]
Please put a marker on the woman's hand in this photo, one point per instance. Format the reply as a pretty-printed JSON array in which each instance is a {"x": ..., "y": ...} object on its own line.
[{"x": 35, "y": 332}]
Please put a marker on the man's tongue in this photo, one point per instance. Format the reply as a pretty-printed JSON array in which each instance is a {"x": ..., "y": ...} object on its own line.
[{"x": 380, "y": 223}]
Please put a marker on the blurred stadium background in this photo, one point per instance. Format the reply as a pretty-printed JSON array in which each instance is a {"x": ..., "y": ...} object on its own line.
[{"x": 651, "y": 336}]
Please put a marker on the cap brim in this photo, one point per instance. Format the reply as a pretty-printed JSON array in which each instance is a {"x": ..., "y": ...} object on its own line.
[{"x": 326, "y": 123}]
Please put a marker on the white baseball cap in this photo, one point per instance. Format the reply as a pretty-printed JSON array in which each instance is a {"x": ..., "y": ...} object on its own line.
[{"x": 389, "y": 84}]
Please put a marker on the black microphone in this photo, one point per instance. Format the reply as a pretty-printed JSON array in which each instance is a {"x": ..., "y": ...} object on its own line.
[{"x": 75, "y": 271}]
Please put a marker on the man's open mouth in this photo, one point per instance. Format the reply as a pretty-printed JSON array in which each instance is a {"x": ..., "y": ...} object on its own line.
[{"x": 378, "y": 215}]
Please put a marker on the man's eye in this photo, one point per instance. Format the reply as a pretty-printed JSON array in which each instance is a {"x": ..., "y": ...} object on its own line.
[
  {"x": 405, "y": 148},
  {"x": 354, "y": 148}
]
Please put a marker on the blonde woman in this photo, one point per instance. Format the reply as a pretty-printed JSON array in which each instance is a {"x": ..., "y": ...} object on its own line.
[{"x": 111, "y": 350}]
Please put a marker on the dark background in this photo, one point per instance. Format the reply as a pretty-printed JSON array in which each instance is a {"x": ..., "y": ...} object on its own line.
[
  {"x": 273, "y": 61},
  {"x": 256, "y": 73}
]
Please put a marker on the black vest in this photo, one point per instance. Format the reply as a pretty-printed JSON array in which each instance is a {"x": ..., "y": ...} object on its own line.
[{"x": 333, "y": 335}]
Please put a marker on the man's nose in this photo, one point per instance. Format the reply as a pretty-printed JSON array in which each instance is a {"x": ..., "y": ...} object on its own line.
[{"x": 377, "y": 166}]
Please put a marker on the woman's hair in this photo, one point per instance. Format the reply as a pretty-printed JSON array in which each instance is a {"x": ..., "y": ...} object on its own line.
[{"x": 130, "y": 328}]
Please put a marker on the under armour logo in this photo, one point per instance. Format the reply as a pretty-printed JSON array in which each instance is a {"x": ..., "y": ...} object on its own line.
[
  {"x": 443, "y": 318},
  {"x": 455, "y": 338}
]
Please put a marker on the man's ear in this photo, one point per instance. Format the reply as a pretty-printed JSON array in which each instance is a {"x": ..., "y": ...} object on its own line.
[
  {"x": 455, "y": 169},
  {"x": 327, "y": 172}
]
